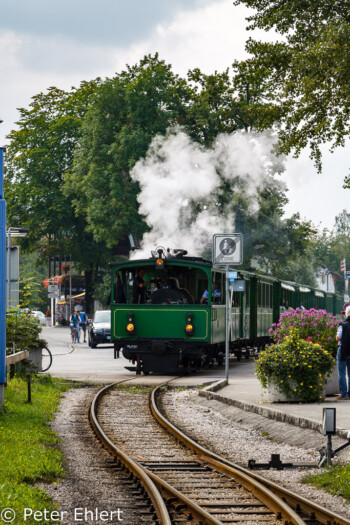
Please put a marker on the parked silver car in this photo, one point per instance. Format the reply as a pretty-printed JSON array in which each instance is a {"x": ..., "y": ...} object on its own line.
[
  {"x": 40, "y": 316},
  {"x": 100, "y": 328}
]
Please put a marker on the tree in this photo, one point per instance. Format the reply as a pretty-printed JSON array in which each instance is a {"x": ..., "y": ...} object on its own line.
[
  {"x": 221, "y": 103},
  {"x": 128, "y": 111},
  {"x": 309, "y": 70},
  {"x": 39, "y": 154}
]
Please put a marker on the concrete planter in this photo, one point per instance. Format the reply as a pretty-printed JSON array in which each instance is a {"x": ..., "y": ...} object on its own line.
[
  {"x": 332, "y": 386},
  {"x": 275, "y": 396},
  {"x": 35, "y": 356}
]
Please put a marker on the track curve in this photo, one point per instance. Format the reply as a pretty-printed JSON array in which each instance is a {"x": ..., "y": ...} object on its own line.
[{"x": 312, "y": 511}]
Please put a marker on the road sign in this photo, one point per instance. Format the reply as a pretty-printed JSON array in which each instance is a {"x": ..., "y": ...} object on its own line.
[
  {"x": 52, "y": 288},
  {"x": 347, "y": 275},
  {"x": 232, "y": 275},
  {"x": 227, "y": 248},
  {"x": 53, "y": 295}
]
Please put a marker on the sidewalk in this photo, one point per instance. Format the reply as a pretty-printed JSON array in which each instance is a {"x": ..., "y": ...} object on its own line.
[{"x": 246, "y": 393}]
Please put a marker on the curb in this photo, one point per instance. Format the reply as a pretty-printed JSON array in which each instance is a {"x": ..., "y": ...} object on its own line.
[{"x": 301, "y": 422}]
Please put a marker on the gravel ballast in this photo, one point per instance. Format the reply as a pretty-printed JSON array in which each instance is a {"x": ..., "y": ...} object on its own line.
[{"x": 238, "y": 436}]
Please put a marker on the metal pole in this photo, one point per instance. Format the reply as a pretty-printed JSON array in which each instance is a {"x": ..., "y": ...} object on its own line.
[
  {"x": 329, "y": 450},
  {"x": 2, "y": 282},
  {"x": 70, "y": 286},
  {"x": 227, "y": 338},
  {"x": 8, "y": 295}
]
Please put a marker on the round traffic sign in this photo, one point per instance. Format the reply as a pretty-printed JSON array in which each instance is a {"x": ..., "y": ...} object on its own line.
[{"x": 227, "y": 246}]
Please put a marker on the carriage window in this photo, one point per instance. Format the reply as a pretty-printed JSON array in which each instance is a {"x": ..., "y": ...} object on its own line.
[
  {"x": 259, "y": 294},
  {"x": 218, "y": 288}
]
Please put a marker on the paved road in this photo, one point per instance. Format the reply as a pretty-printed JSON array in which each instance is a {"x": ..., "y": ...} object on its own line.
[{"x": 81, "y": 363}]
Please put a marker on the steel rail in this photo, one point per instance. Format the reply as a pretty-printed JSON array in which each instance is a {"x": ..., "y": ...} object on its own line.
[
  {"x": 130, "y": 464},
  {"x": 196, "y": 511},
  {"x": 284, "y": 495}
]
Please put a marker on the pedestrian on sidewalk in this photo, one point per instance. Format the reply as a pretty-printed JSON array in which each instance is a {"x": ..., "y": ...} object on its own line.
[
  {"x": 83, "y": 321},
  {"x": 343, "y": 356}
]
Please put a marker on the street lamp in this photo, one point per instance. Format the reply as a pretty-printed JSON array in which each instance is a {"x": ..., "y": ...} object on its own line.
[{"x": 12, "y": 232}]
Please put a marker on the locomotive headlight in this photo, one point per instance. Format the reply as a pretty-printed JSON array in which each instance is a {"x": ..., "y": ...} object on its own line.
[
  {"x": 159, "y": 264},
  {"x": 130, "y": 328},
  {"x": 189, "y": 328}
]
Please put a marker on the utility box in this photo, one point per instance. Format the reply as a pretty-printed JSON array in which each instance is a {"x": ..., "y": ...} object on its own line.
[{"x": 14, "y": 276}]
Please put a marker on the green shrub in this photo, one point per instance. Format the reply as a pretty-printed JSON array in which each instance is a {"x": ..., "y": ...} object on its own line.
[
  {"x": 296, "y": 367},
  {"x": 22, "y": 330}
]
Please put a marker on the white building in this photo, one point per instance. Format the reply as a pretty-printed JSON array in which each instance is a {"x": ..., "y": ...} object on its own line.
[{"x": 326, "y": 279}]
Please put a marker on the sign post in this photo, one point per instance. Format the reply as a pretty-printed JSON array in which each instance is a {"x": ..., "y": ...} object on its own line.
[
  {"x": 228, "y": 249},
  {"x": 2, "y": 281}
]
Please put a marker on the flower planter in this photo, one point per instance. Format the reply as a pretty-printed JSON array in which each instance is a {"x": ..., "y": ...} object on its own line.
[
  {"x": 275, "y": 396},
  {"x": 331, "y": 388}
]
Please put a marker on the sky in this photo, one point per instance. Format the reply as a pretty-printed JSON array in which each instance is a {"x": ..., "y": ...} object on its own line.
[{"x": 45, "y": 43}]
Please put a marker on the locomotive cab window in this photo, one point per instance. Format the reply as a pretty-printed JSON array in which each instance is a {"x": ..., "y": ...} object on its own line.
[{"x": 169, "y": 285}]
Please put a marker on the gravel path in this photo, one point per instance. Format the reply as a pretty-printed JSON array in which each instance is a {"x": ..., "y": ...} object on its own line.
[
  {"x": 239, "y": 436},
  {"x": 92, "y": 479}
]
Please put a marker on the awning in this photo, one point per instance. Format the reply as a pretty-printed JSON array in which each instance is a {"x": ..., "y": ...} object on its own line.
[
  {"x": 304, "y": 289},
  {"x": 288, "y": 287},
  {"x": 319, "y": 294},
  {"x": 78, "y": 296}
]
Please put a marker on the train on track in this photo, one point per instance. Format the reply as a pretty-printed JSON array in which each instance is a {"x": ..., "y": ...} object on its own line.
[{"x": 168, "y": 311}]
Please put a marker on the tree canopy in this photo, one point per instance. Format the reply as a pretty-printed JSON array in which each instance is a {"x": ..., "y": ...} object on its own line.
[
  {"x": 68, "y": 164},
  {"x": 128, "y": 111},
  {"x": 308, "y": 70}
]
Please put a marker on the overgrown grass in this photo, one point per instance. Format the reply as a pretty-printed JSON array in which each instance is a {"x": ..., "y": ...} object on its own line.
[
  {"x": 28, "y": 447},
  {"x": 335, "y": 480}
]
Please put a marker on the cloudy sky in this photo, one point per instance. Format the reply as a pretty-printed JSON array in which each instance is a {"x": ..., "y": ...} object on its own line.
[{"x": 45, "y": 43}]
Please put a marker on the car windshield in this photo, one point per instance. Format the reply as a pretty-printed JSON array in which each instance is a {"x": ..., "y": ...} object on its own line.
[{"x": 102, "y": 317}]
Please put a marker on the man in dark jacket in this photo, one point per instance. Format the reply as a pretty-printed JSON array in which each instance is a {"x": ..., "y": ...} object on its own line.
[{"x": 343, "y": 356}]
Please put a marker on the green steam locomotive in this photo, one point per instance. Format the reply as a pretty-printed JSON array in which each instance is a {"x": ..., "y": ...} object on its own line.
[{"x": 168, "y": 312}]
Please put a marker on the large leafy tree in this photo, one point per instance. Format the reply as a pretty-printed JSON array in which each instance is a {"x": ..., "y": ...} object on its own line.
[
  {"x": 128, "y": 111},
  {"x": 309, "y": 69},
  {"x": 227, "y": 103},
  {"x": 41, "y": 150}
]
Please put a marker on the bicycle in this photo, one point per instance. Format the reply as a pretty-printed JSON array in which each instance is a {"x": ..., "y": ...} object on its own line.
[
  {"x": 73, "y": 332},
  {"x": 46, "y": 360}
]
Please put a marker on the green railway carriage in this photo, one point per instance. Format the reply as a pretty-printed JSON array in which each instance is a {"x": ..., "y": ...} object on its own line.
[{"x": 177, "y": 322}]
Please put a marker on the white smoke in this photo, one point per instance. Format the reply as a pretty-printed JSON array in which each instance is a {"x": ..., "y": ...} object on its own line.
[{"x": 178, "y": 172}]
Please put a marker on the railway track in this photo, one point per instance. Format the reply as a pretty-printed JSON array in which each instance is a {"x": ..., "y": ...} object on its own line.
[{"x": 184, "y": 482}]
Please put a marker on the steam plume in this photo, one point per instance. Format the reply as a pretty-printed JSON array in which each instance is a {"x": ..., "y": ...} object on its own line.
[{"x": 180, "y": 181}]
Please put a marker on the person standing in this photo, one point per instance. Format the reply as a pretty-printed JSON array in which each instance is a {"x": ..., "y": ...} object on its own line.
[
  {"x": 343, "y": 356},
  {"x": 83, "y": 322},
  {"x": 75, "y": 321},
  {"x": 139, "y": 287}
]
